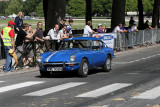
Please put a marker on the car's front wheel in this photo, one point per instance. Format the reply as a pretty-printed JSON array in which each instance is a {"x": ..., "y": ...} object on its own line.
[
  {"x": 107, "y": 65},
  {"x": 83, "y": 69},
  {"x": 45, "y": 74}
]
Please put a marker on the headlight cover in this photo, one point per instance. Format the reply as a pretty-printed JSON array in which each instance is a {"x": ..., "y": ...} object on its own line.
[
  {"x": 72, "y": 58},
  {"x": 39, "y": 59}
]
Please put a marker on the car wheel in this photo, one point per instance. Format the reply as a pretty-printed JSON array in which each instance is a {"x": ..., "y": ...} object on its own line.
[
  {"x": 44, "y": 74},
  {"x": 83, "y": 69},
  {"x": 107, "y": 65}
]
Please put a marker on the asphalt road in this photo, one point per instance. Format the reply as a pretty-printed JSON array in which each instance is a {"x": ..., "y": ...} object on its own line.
[{"x": 134, "y": 81}]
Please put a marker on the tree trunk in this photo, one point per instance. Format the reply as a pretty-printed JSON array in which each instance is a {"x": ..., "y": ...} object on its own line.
[
  {"x": 155, "y": 14},
  {"x": 118, "y": 13},
  {"x": 141, "y": 18},
  {"x": 88, "y": 10},
  {"x": 54, "y": 12}
]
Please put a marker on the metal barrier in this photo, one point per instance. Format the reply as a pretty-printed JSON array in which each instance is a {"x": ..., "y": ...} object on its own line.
[{"x": 123, "y": 41}]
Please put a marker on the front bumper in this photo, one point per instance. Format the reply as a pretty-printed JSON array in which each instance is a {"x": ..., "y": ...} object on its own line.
[{"x": 67, "y": 66}]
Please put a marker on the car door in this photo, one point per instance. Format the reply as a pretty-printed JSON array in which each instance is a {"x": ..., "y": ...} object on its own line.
[{"x": 98, "y": 53}]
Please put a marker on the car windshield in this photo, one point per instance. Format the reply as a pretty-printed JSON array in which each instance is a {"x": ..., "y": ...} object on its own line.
[{"x": 80, "y": 44}]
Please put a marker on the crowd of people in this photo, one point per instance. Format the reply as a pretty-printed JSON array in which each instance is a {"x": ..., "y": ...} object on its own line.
[{"x": 21, "y": 44}]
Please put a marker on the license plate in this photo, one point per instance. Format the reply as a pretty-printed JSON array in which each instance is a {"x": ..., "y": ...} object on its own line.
[{"x": 54, "y": 69}]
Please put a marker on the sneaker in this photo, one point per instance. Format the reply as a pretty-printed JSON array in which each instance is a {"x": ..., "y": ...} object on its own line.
[{"x": 26, "y": 66}]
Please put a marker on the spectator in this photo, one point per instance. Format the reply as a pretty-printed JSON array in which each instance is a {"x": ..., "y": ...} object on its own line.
[
  {"x": 100, "y": 29},
  {"x": 134, "y": 27},
  {"x": 8, "y": 40},
  {"x": 62, "y": 33},
  {"x": 146, "y": 25},
  {"x": 28, "y": 46},
  {"x": 63, "y": 23},
  {"x": 18, "y": 22},
  {"x": 39, "y": 33},
  {"x": 21, "y": 36},
  {"x": 123, "y": 28},
  {"x": 117, "y": 29},
  {"x": 131, "y": 21},
  {"x": 87, "y": 29},
  {"x": 69, "y": 28},
  {"x": 53, "y": 35}
]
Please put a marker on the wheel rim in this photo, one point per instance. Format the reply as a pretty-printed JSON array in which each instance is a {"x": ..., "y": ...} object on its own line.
[
  {"x": 108, "y": 63},
  {"x": 85, "y": 68}
]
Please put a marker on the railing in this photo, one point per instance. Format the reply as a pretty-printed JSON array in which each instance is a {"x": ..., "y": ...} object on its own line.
[{"x": 123, "y": 41}]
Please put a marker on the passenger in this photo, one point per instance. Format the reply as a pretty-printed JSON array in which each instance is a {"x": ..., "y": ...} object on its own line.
[
  {"x": 21, "y": 36},
  {"x": 101, "y": 29},
  {"x": 8, "y": 40},
  {"x": 18, "y": 22},
  {"x": 87, "y": 29}
]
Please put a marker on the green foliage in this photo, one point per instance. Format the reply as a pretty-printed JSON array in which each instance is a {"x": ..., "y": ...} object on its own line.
[
  {"x": 3, "y": 6},
  {"x": 76, "y": 8},
  {"x": 39, "y": 10},
  {"x": 30, "y": 6},
  {"x": 101, "y": 7},
  {"x": 131, "y": 5},
  {"x": 148, "y": 5},
  {"x": 14, "y": 7}
]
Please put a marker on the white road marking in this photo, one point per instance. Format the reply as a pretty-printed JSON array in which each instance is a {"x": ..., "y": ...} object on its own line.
[
  {"x": 1, "y": 81},
  {"x": 54, "y": 89},
  {"x": 20, "y": 85},
  {"x": 136, "y": 60},
  {"x": 104, "y": 90},
  {"x": 150, "y": 94}
]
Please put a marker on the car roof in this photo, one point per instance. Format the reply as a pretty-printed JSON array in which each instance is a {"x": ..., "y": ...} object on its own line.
[{"x": 83, "y": 38}]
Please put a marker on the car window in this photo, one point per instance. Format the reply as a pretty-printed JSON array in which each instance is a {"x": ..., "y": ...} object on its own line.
[{"x": 95, "y": 45}]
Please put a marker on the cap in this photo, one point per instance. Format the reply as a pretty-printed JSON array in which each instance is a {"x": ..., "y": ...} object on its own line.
[
  {"x": 11, "y": 23},
  {"x": 99, "y": 24},
  {"x": 70, "y": 20},
  {"x": 134, "y": 23}
]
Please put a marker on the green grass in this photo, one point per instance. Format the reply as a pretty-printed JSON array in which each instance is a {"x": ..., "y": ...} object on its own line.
[{"x": 77, "y": 24}]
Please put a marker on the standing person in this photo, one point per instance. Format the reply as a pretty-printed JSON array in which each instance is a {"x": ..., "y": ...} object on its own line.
[
  {"x": 63, "y": 23},
  {"x": 131, "y": 21},
  {"x": 18, "y": 22},
  {"x": 62, "y": 33},
  {"x": 123, "y": 28},
  {"x": 146, "y": 25},
  {"x": 53, "y": 35},
  {"x": 87, "y": 29},
  {"x": 8, "y": 40},
  {"x": 100, "y": 29},
  {"x": 22, "y": 35},
  {"x": 69, "y": 28},
  {"x": 39, "y": 33}
]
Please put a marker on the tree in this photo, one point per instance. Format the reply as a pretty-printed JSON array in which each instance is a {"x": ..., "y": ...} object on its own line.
[
  {"x": 39, "y": 10},
  {"x": 30, "y": 6},
  {"x": 13, "y": 7},
  {"x": 54, "y": 12},
  {"x": 118, "y": 12},
  {"x": 88, "y": 10},
  {"x": 131, "y": 5},
  {"x": 155, "y": 14},
  {"x": 77, "y": 8},
  {"x": 3, "y": 6},
  {"x": 141, "y": 18}
]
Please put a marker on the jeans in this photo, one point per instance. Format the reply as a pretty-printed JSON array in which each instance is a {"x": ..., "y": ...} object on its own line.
[{"x": 8, "y": 66}]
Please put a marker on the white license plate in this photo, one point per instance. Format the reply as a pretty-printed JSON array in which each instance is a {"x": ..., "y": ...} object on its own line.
[{"x": 54, "y": 69}]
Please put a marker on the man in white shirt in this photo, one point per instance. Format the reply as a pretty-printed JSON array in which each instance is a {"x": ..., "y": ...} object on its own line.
[
  {"x": 53, "y": 35},
  {"x": 87, "y": 30}
]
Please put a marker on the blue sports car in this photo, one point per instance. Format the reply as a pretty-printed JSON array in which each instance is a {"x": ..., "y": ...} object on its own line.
[{"x": 79, "y": 54}]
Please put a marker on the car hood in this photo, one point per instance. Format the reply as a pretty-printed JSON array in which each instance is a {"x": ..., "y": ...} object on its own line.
[{"x": 58, "y": 56}]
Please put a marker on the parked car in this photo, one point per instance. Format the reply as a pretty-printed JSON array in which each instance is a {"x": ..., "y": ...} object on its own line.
[{"x": 79, "y": 54}]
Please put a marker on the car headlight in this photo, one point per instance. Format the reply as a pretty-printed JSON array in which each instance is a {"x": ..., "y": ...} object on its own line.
[
  {"x": 39, "y": 59},
  {"x": 72, "y": 58}
]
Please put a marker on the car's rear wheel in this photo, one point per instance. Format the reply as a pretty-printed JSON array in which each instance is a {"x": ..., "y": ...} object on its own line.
[
  {"x": 45, "y": 74},
  {"x": 107, "y": 65},
  {"x": 83, "y": 69}
]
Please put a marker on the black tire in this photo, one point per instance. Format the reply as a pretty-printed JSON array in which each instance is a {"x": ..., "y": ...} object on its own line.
[
  {"x": 83, "y": 69},
  {"x": 107, "y": 65},
  {"x": 44, "y": 74}
]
